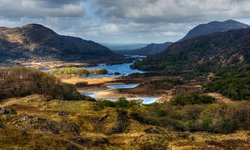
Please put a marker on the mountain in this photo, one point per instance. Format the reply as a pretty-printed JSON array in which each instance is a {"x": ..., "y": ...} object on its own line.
[
  {"x": 34, "y": 41},
  {"x": 202, "y": 54},
  {"x": 213, "y": 27},
  {"x": 124, "y": 47},
  {"x": 150, "y": 49}
]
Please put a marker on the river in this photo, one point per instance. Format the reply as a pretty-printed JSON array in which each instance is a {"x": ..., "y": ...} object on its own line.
[{"x": 115, "y": 71}]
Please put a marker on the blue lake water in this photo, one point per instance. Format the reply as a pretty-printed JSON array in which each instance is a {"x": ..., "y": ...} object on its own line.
[
  {"x": 123, "y": 86},
  {"x": 123, "y": 70},
  {"x": 146, "y": 100}
]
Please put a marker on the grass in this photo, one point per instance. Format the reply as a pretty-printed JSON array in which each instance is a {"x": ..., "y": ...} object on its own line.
[
  {"x": 96, "y": 123},
  {"x": 76, "y": 72}
]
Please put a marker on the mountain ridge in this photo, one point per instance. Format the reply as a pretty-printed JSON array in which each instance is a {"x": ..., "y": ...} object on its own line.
[
  {"x": 205, "y": 53},
  {"x": 213, "y": 27},
  {"x": 35, "y": 41},
  {"x": 150, "y": 49}
]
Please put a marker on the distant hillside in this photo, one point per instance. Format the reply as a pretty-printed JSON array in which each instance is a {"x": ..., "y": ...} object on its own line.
[
  {"x": 202, "y": 54},
  {"x": 124, "y": 47},
  {"x": 35, "y": 41},
  {"x": 213, "y": 27},
  {"x": 150, "y": 49}
]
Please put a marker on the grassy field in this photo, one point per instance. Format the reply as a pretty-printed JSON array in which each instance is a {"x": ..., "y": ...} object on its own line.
[{"x": 36, "y": 122}]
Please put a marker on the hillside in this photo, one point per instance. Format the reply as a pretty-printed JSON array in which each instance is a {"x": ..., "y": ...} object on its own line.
[
  {"x": 35, "y": 41},
  {"x": 21, "y": 81},
  {"x": 150, "y": 49},
  {"x": 202, "y": 54},
  {"x": 213, "y": 27},
  {"x": 35, "y": 122},
  {"x": 116, "y": 47}
]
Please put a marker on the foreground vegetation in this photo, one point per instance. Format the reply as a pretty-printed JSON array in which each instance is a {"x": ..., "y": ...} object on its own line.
[
  {"x": 21, "y": 81},
  {"x": 215, "y": 118},
  {"x": 35, "y": 122},
  {"x": 197, "y": 113}
]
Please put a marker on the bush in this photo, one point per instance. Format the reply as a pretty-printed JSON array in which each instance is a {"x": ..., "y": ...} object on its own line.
[
  {"x": 233, "y": 82},
  {"x": 216, "y": 118},
  {"x": 106, "y": 103},
  {"x": 74, "y": 71},
  {"x": 191, "y": 98},
  {"x": 69, "y": 71},
  {"x": 81, "y": 84},
  {"x": 121, "y": 103},
  {"x": 100, "y": 71},
  {"x": 21, "y": 81}
]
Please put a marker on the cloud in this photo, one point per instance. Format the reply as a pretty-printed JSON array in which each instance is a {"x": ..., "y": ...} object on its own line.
[
  {"x": 151, "y": 11},
  {"x": 41, "y": 8},
  {"x": 122, "y": 21}
]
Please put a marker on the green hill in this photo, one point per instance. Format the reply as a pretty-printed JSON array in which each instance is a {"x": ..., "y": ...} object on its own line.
[{"x": 21, "y": 81}]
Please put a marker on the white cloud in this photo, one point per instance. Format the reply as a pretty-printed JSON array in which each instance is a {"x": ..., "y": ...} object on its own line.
[
  {"x": 174, "y": 10},
  {"x": 40, "y": 8},
  {"x": 121, "y": 21}
]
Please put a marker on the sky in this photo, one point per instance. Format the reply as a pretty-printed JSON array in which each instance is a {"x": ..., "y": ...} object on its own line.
[{"x": 122, "y": 21}]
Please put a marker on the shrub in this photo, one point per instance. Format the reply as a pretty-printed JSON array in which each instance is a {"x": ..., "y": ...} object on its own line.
[
  {"x": 74, "y": 71},
  {"x": 70, "y": 71},
  {"x": 81, "y": 84},
  {"x": 217, "y": 118},
  {"x": 233, "y": 82},
  {"x": 21, "y": 81},
  {"x": 191, "y": 98},
  {"x": 121, "y": 103},
  {"x": 99, "y": 71},
  {"x": 106, "y": 103}
]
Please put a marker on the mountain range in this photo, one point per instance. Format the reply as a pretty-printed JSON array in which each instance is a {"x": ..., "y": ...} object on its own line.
[
  {"x": 150, "y": 49},
  {"x": 34, "y": 41},
  {"x": 199, "y": 30},
  {"x": 203, "y": 53}
]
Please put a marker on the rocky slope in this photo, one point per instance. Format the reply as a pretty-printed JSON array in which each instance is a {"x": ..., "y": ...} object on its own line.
[
  {"x": 213, "y": 27},
  {"x": 35, "y": 41}
]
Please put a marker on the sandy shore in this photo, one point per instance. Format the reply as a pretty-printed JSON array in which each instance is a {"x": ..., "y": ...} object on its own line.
[
  {"x": 112, "y": 94},
  {"x": 52, "y": 64},
  {"x": 74, "y": 80}
]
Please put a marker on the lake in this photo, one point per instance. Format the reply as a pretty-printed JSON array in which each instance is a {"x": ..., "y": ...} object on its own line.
[
  {"x": 122, "y": 69},
  {"x": 115, "y": 71}
]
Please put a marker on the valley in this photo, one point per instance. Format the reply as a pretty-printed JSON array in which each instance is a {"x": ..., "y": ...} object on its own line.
[{"x": 68, "y": 93}]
